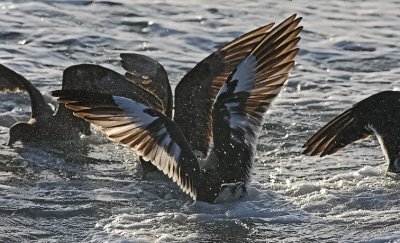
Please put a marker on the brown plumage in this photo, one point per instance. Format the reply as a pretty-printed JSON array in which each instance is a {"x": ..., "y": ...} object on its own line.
[
  {"x": 236, "y": 115},
  {"x": 47, "y": 125},
  {"x": 378, "y": 114}
]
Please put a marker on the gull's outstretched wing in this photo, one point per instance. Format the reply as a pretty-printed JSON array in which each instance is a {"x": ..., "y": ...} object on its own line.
[
  {"x": 379, "y": 114},
  {"x": 196, "y": 92},
  {"x": 96, "y": 78},
  {"x": 245, "y": 96},
  {"x": 150, "y": 75},
  {"x": 12, "y": 81},
  {"x": 147, "y": 131}
]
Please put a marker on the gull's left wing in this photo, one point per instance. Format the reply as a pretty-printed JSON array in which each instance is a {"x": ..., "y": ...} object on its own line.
[
  {"x": 196, "y": 92},
  {"x": 245, "y": 96}
]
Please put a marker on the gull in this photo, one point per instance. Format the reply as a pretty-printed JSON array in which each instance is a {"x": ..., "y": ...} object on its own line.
[
  {"x": 219, "y": 110},
  {"x": 378, "y": 114},
  {"x": 47, "y": 125}
]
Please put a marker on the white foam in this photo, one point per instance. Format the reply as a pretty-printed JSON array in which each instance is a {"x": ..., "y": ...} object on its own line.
[{"x": 263, "y": 206}]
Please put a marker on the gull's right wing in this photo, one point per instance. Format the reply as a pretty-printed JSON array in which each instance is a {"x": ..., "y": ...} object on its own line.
[
  {"x": 150, "y": 75},
  {"x": 96, "y": 78},
  {"x": 147, "y": 131}
]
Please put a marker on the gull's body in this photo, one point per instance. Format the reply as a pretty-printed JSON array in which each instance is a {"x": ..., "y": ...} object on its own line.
[{"x": 219, "y": 108}]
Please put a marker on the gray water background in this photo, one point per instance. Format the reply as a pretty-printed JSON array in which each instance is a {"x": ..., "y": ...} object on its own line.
[{"x": 91, "y": 191}]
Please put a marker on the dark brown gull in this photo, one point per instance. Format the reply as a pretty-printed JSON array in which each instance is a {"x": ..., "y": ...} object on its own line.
[
  {"x": 237, "y": 98},
  {"x": 47, "y": 125},
  {"x": 378, "y": 114}
]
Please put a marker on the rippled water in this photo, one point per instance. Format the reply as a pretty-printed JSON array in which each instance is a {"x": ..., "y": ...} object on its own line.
[{"x": 92, "y": 191}]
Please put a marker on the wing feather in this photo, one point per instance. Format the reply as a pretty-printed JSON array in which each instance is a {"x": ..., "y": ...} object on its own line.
[
  {"x": 245, "y": 96},
  {"x": 147, "y": 131},
  {"x": 196, "y": 92},
  {"x": 13, "y": 81},
  {"x": 376, "y": 114},
  {"x": 97, "y": 78},
  {"x": 150, "y": 75}
]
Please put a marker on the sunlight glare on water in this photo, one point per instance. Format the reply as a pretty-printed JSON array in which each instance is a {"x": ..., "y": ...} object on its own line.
[{"x": 92, "y": 191}]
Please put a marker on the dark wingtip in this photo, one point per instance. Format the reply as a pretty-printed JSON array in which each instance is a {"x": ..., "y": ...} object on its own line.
[
  {"x": 127, "y": 54},
  {"x": 310, "y": 152},
  {"x": 300, "y": 28},
  {"x": 124, "y": 56},
  {"x": 298, "y": 20},
  {"x": 327, "y": 152},
  {"x": 57, "y": 93},
  {"x": 293, "y": 16},
  {"x": 314, "y": 152},
  {"x": 307, "y": 151}
]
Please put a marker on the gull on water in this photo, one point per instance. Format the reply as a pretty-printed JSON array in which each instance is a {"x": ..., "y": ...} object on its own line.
[
  {"x": 378, "y": 114},
  {"x": 219, "y": 109},
  {"x": 47, "y": 125}
]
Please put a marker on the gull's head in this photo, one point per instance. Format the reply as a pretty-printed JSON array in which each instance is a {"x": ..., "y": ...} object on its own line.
[{"x": 231, "y": 192}]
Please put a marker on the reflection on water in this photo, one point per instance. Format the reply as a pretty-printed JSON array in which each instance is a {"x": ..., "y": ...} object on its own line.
[{"x": 92, "y": 190}]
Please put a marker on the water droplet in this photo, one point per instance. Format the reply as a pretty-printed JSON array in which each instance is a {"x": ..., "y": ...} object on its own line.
[{"x": 22, "y": 42}]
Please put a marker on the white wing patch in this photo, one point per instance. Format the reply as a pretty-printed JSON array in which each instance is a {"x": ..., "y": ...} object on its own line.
[
  {"x": 244, "y": 98},
  {"x": 246, "y": 73}
]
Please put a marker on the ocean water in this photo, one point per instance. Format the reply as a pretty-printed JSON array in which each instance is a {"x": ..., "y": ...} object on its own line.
[{"x": 92, "y": 191}]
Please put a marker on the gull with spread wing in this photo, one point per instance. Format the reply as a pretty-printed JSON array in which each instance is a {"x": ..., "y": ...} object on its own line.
[
  {"x": 249, "y": 73},
  {"x": 378, "y": 114}
]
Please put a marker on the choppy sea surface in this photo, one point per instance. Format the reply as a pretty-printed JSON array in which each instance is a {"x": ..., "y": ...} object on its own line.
[{"x": 92, "y": 191}]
